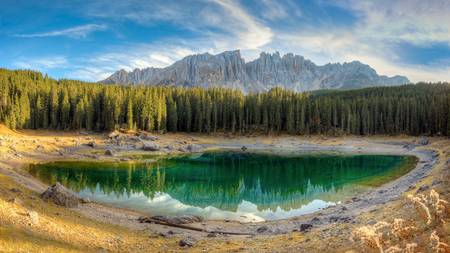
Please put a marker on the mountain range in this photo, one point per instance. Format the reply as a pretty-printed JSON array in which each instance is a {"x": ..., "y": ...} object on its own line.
[{"x": 229, "y": 69}]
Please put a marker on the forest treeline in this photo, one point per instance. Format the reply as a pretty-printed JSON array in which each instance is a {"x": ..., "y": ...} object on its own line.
[{"x": 31, "y": 100}]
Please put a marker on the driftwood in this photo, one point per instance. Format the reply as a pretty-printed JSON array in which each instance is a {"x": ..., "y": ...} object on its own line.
[{"x": 169, "y": 224}]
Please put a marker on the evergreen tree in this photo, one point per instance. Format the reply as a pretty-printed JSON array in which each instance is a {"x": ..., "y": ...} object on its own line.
[{"x": 130, "y": 114}]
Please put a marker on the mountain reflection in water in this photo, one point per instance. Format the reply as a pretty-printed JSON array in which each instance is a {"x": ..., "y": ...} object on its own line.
[{"x": 226, "y": 184}]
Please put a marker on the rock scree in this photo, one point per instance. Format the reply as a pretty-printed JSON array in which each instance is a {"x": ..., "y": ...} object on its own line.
[{"x": 61, "y": 196}]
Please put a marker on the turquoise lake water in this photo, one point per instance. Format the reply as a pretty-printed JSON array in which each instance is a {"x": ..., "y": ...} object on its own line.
[{"x": 227, "y": 184}]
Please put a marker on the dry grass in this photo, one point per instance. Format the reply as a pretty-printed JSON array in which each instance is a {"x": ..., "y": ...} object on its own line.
[{"x": 401, "y": 235}]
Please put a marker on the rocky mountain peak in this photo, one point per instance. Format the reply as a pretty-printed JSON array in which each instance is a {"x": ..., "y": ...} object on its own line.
[{"x": 229, "y": 69}]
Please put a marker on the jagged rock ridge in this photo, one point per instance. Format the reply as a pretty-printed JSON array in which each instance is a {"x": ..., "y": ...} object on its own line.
[{"x": 228, "y": 69}]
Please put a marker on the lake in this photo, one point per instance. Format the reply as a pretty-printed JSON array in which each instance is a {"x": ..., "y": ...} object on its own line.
[{"x": 230, "y": 185}]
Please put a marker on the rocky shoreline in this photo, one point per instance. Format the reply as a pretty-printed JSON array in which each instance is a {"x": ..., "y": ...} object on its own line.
[{"x": 123, "y": 147}]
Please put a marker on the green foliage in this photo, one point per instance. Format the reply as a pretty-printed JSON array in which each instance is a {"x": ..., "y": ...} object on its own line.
[{"x": 27, "y": 100}]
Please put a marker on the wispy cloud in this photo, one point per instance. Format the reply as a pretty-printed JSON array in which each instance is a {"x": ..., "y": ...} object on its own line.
[
  {"x": 219, "y": 25},
  {"x": 247, "y": 32},
  {"x": 73, "y": 32},
  {"x": 99, "y": 66},
  {"x": 375, "y": 36},
  {"x": 414, "y": 21},
  {"x": 371, "y": 32},
  {"x": 44, "y": 63},
  {"x": 280, "y": 10}
]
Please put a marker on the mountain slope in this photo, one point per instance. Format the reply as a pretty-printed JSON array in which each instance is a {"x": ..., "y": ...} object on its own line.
[{"x": 228, "y": 69}]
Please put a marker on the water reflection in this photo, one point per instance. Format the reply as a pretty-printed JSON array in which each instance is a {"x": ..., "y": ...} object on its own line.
[{"x": 228, "y": 185}]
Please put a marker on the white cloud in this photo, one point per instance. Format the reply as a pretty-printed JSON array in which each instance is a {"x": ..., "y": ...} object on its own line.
[
  {"x": 247, "y": 32},
  {"x": 100, "y": 66},
  {"x": 222, "y": 25},
  {"x": 344, "y": 46},
  {"x": 219, "y": 25},
  {"x": 380, "y": 27},
  {"x": 274, "y": 10},
  {"x": 73, "y": 32},
  {"x": 413, "y": 72},
  {"x": 42, "y": 63},
  {"x": 414, "y": 21}
]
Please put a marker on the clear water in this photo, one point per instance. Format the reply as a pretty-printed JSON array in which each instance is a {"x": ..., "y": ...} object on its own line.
[{"x": 227, "y": 184}]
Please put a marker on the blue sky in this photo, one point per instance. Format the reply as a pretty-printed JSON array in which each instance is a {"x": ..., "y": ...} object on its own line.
[{"x": 89, "y": 40}]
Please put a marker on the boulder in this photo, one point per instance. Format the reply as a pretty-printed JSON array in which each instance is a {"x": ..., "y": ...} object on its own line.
[
  {"x": 187, "y": 242},
  {"x": 244, "y": 148},
  {"x": 34, "y": 217},
  {"x": 113, "y": 134},
  {"x": 262, "y": 229},
  {"x": 424, "y": 141},
  {"x": 139, "y": 145},
  {"x": 168, "y": 234},
  {"x": 182, "y": 149},
  {"x": 109, "y": 152},
  {"x": 305, "y": 227},
  {"x": 150, "y": 146},
  {"x": 91, "y": 144},
  {"x": 60, "y": 195},
  {"x": 133, "y": 139},
  {"x": 194, "y": 148},
  {"x": 148, "y": 137}
]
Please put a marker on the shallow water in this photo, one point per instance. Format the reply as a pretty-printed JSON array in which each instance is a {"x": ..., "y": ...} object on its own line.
[{"x": 227, "y": 184}]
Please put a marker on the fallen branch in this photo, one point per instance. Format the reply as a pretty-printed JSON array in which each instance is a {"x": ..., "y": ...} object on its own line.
[{"x": 156, "y": 221}]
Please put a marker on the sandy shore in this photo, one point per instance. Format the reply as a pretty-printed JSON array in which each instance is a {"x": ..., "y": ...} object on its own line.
[{"x": 332, "y": 225}]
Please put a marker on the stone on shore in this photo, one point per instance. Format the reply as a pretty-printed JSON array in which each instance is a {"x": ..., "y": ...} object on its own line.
[
  {"x": 148, "y": 137},
  {"x": 194, "y": 148},
  {"x": 109, "y": 152},
  {"x": 92, "y": 144},
  {"x": 424, "y": 141},
  {"x": 187, "y": 242},
  {"x": 305, "y": 227},
  {"x": 150, "y": 146},
  {"x": 262, "y": 229},
  {"x": 114, "y": 134},
  {"x": 61, "y": 196}
]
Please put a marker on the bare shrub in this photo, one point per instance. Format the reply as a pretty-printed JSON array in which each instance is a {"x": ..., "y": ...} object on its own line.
[
  {"x": 437, "y": 245},
  {"x": 399, "y": 235},
  {"x": 371, "y": 236},
  {"x": 431, "y": 207}
]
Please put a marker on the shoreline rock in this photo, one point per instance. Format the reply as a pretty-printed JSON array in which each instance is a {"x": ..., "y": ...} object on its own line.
[{"x": 60, "y": 195}]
